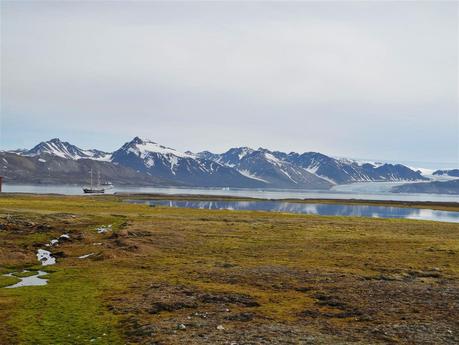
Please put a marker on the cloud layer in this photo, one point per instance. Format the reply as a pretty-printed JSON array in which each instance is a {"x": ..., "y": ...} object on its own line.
[{"x": 346, "y": 78}]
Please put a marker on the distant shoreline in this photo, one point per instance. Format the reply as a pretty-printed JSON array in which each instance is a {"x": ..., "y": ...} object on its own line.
[{"x": 433, "y": 205}]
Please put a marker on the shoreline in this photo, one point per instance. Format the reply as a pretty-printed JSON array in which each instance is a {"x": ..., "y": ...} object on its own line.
[{"x": 433, "y": 205}]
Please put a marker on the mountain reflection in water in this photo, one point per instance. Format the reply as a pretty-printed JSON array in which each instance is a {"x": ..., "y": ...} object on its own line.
[{"x": 318, "y": 209}]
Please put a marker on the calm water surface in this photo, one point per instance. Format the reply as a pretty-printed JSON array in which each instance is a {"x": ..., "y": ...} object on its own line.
[
  {"x": 34, "y": 280},
  {"x": 319, "y": 209},
  {"x": 365, "y": 190}
]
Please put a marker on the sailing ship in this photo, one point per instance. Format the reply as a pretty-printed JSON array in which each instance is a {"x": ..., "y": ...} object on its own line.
[{"x": 96, "y": 189}]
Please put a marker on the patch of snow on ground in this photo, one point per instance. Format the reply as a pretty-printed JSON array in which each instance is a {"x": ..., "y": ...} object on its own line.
[
  {"x": 42, "y": 160},
  {"x": 103, "y": 229},
  {"x": 55, "y": 242},
  {"x": 85, "y": 256},
  {"x": 45, "y": 257}
]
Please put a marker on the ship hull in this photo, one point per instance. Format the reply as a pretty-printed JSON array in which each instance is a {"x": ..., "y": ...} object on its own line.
[{"x": 93, "y": 191}]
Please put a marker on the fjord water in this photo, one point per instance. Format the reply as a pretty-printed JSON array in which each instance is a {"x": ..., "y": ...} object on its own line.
[
  {"x": 363, "y": 190},
  {"x": 318, "y": 209}
]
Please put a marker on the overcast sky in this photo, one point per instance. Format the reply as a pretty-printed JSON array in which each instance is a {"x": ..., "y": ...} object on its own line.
[{"x": 357, "y": 79}]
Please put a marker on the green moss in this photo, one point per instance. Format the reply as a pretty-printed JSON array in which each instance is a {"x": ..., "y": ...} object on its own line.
[
  {"x": 7, "y": 281},
  {"x": 24, "y": 274},
  {"x": 260, "y": 254},
  {"x": 66, "y": 311}
]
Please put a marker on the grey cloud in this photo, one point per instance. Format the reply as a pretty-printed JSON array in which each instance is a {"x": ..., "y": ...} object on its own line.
[{"x": 347, "y": 78}]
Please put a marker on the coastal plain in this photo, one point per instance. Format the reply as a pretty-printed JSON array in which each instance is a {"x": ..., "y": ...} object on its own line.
[{"x": 158, "y": 275}]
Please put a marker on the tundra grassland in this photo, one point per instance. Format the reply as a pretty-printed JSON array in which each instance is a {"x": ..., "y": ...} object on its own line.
[{"x": 186, "y": 276}]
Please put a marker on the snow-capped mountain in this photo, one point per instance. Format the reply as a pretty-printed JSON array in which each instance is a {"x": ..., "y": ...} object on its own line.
[
  {"x": 230, "y": 158},
  {"x": 263, "y": 165},
  {"x": 238, "y": 167},
  {"x": 63, "y": 149},
  {"x": 52, "y": 169},
  {"x": 302, "y": 168},
  {"x": 342, "y": 171},
  {"x": 156, "y": 160}
]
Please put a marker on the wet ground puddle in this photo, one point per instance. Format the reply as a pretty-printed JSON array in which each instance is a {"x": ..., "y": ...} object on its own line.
[
  {"x": 33, "y": 280},
  {"x": 46, "y": 259}
]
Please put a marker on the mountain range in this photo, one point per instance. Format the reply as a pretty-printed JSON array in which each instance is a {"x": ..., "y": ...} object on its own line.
[{"x": 145, "y": 162}]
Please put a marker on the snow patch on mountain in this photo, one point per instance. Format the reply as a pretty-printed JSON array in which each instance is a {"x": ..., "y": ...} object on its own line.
[
  {"x": 153, "y": 153},
  {"x": 63, "y": 149},
  {"x": 145, "y": 147},
  {"x": 240, "y": 166},
  {"x": 270, "y": 157},
  {"x": 288, "y": 175},
  {"x": 359, "y": 162},
  {"x": 244, "y": 151},
  {"x": 248, "y": 174}
]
